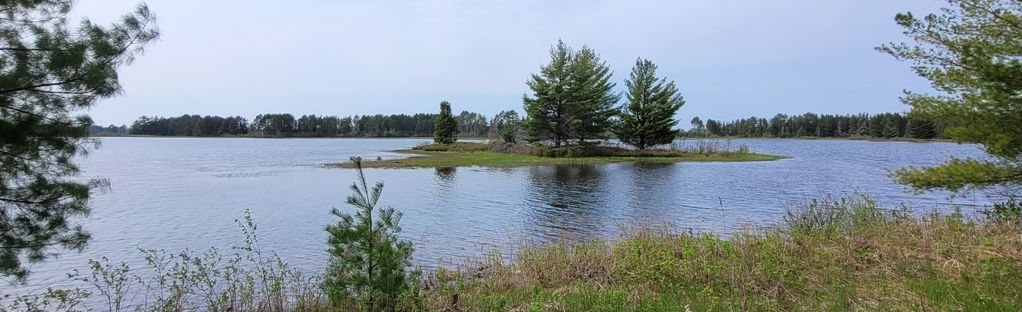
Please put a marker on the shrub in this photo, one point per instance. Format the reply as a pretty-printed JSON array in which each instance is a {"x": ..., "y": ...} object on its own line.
[{"x": 368, "y": 262}]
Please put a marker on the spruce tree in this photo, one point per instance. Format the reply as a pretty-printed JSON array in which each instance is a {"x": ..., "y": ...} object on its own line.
[
  {"x": 920, "y": 127},
  {"x": 647, "y": 119},
  {"x": 50, "y": 75},
  {"x": 592, "y": 96},
  {"x": 368, "y": 264},
  {"x": 445, "y": 127},
  {"x": 549, "y": 111}
]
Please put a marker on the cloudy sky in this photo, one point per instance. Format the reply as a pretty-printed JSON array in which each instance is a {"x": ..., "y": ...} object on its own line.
[{"x": 730, "y": 58}]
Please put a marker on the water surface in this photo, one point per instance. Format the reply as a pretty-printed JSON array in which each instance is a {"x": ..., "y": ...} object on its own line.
[{"x": 175, "y": 193}]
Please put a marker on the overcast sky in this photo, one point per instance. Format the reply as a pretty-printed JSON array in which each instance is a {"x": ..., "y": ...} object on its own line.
[{"x": 730, "y": 58}]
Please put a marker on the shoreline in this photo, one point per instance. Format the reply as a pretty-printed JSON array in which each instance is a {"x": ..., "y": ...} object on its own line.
[
  {"x": 429, "y": 159},
  {"x": 808, "y": 138}
]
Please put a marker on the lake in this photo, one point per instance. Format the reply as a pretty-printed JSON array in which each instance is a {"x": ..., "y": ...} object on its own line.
[{"x": 175, "y": 193}]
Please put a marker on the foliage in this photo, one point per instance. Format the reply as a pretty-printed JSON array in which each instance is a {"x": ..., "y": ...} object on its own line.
[
  {"x": 885, "y": 125},
  {"x": 453, "y": 147},
  {"x": 572, "y": 97},
  {"x": 498, "y": 155},
  {"x": 242, "y": 278},
  {"x": 507, "y": 126},
  {"x": 470, "y": 123},
  {"x": 194, "y": 125},
  {"x": 648, "y": 117},
  {"x": 48, "y": 74},
  {"x": 845, "y": 254},
  {"x": 592, "y": 96},
  {"x": 445, "y": 126},
  {"x": 368, "y": 262},
  {"x": 971, "y": 52},
  {"x": 286, "y": 125}
]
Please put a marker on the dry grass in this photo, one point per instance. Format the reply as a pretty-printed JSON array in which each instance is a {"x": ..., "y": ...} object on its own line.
[{"x": 863, "y": 259}]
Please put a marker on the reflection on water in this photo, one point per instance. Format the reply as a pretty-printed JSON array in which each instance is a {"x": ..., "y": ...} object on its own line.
[
  {"x": 176, "y": 193},
  {"x": 446, "y": 173},
  {"x": 567, "y": 201}
]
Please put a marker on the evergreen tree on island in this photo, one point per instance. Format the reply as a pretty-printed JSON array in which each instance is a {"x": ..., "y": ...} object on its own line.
[
  {"x": 648, "y": 117},
  {"x": 445, "y": 127},
  {"x": 572, "y": 97},
  {"x": 592, "y": 96}
]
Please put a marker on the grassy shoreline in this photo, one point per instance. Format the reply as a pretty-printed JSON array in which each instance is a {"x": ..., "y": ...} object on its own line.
[
  {"x": 432, "y": 159},
  {"x": 511, "y": 155},
  {"x": 837, "y": 255},
  {"x": 834, "y": 254}
]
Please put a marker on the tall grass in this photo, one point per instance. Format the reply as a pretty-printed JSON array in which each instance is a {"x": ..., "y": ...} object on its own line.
[
  {"x": 242, "y": 278},
  {"x": 832, "y": 254},
  {"x": 835, "y": 253}
]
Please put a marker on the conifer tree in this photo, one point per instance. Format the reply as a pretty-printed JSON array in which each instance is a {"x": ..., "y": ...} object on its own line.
[
  {"x": 445, "y": 128},
  {"x": 50, "y": 75},
  {"x": 548, "y": 111},
  {"x": 647, "y": 119},
  {"x": 506, "y": 126},
  {"x": 971, "y": 54},
  {"x": 369, "y": 264},
  {"x": 592, "y": 95}
]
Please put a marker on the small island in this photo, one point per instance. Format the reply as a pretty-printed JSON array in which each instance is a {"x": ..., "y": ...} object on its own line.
[{"x": 463, "y": 154}]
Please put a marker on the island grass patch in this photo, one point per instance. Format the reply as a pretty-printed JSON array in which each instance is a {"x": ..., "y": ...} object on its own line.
[{"x": 508, "y": 155}]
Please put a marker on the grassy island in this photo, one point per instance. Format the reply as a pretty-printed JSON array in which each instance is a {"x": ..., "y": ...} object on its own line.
[{"x": 497, "y": 155}]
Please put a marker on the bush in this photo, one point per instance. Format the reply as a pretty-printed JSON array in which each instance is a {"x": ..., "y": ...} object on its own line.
[
  {"x": 368, "y": 262},
  {"x": 1010, "y": 210}
]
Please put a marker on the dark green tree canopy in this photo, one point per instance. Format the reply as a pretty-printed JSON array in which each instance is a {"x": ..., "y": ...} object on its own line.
[
  {"x": 506, "y": 126},
  {"x": 572, "y": 97},
  {"x": 647, "y": 119},
  {"x": 592, "y": 96},
  {"x": 49, "y": 74},
  {"x": 972, "y": 54},
  {"x": 445, "y": 127}
]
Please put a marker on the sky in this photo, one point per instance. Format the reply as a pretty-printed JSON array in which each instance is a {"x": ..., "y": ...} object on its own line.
[{"x": 729, "y": 58}]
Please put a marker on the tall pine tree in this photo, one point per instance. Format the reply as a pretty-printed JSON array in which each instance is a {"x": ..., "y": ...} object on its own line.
[
  {"x": 445, "y": 127},
  {"x": 548, "y": 111},
  {"x": 572, "y": 97},
  {"x": 592, "y": 96},
  {"x": 648, "y": 117}
]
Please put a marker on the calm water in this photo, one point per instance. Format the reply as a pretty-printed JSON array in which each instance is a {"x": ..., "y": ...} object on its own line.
[{"x": 175, "y": 193}]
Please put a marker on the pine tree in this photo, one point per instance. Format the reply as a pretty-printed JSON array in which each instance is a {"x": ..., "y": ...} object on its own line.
[
  {"x": 920, "y": 127},
  {"x": 49, "y": 76},
  {"x": 648, "y": 117},
  {"x": 506, "y": 126},
  {"x": 369, "y": 264},
  {"x": 549, "y": 111},
  {"x": 445, "y": 127},
  {"x": 592, "y": 96}
]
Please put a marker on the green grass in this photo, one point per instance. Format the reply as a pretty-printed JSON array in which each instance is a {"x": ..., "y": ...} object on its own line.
[
  {"x": 423, "y": 159},
  {"x": 855, "y": 258},
  {"x": 478, "y": 154},
  {"x": 843, "y": 254}
]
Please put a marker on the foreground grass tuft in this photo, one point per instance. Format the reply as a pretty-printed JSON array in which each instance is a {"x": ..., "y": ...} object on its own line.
[{"x": 842, "y": 254}]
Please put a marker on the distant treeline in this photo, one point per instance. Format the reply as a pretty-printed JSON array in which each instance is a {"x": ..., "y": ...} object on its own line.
[
  {"x": 886, "y": 125},
  {"x": 286, "y": 125},
  {"x": 110, "y": 130}
]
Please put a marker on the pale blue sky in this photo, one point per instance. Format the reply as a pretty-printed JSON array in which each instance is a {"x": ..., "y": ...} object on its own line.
[{"x": 730, "y": 58}]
